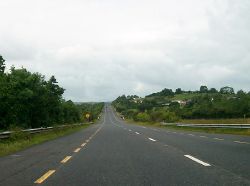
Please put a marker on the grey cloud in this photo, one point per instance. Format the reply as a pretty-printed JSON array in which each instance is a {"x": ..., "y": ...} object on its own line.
[{"x": 99, "y": 50}]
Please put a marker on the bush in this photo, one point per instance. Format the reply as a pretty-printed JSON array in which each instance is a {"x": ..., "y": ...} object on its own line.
[
  {"x": 144, "y": 117},
  {"x": 170, "y": 117}
]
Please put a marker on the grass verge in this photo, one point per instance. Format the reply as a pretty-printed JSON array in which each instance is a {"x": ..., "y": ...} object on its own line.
[
  {"x": 20, "y": 140},
  {"x": 217, "y": 121},
  {"x": 245, "y": 132}
]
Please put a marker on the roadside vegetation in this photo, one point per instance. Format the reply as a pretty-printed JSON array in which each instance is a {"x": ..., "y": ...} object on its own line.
[
  {"x": 203, "y": 106},
  {"x": 21, "y": 140},
  {"x": 28, "y": 100},
  {"x": 233, "y": 131}
]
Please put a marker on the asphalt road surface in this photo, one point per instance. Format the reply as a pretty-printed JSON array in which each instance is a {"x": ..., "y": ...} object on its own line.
[{"x": 115, "y": 153}]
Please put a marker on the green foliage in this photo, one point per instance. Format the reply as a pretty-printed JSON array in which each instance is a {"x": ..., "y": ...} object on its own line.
[
  {"x": 27, "y": 100},
  {"x": 2, "y": 65},
  {"x": 94, "y": 109},
  {"x": 142, "y": 116},
  {"x": 170, "y": 107}
]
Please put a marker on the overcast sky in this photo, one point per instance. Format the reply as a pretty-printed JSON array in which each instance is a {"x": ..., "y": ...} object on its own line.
[{"x": 100, "y": 49}]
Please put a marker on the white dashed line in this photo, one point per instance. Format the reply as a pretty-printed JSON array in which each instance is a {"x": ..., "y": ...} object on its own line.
[
  {"x": 130, "y": 130},
  {"x": 151, "y": 139},
  {"x": 203, "y": 136},
  {"x": 137, "y": 132},
  {"x": 241, "y": 142},
  {"x": 198, "y": 161},
  {"x": 190, "y": 134},
  {"x": 219, "y": 139}
]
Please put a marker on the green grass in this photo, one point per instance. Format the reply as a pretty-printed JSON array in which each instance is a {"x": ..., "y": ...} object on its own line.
[
  {"x": 21, "y": 141},
  {"x": 245, "y": 132},
  {"x": 217, "y": 121}
]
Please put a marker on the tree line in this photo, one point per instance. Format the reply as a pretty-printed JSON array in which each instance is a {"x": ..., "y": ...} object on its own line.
[
  {"x": 171, "y": 106},
  {"x": 28, "y": 100}
]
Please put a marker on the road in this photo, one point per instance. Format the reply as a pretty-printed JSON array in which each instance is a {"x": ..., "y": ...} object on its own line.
[{"x": 114, "y": 153}]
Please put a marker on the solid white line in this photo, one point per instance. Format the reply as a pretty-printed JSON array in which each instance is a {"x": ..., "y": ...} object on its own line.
[
  {"x": 242, "y": 142},
  {"x": 198, "y": 161},
  {"x": 151, "y": 139},
  {"x": 137, "y": 132}
]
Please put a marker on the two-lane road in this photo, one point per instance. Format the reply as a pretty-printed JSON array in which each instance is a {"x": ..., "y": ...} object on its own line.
[{"x": 115, "y": 153}]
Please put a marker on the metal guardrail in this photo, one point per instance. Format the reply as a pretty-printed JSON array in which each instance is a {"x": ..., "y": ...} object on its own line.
[
  {"x": 236, "y": 126},
  {"x": 7, "y": 134}
]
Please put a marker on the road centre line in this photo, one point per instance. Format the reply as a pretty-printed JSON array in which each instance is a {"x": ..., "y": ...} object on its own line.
[
  {"x": 67, "y": 158},
  {"x": 197, "y": 160},
  {"x": 45, "y": 176},
  {"x": 151, "y": 139}
]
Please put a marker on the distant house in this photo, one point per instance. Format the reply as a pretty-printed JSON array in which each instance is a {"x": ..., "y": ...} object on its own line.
[
  {"x": 181, "y": 102},
  {"x": 137, "y": 100}
]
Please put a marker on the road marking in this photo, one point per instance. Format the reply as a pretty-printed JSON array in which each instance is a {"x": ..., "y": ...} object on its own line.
[
  {"x": 66, "y": 159},
  {"x": 82, "y": 145},
  {"x": 198, "y": 161},
  {"x": 219, "y": 139},
  {"x": 77, "y": 150},
  {"x": 144, "y": 127},
  {"x": 130, "y": 130},
  {"x": 190, "y": 134},
  {"x": 241, "y": 142},
  {"x": 87, "y": 141},
  {"x": 203, "y": 136},
  {"x": 155, "y": 130},
  {"x": 137, "y": 132},
  {"x": 45, "y": 176},
  {"x": 174, "y": 132},
  {"x": 151, "y": 139}
]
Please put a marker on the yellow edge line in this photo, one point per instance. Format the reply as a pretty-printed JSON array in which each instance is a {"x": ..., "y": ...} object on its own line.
[
  {"x": 66, "y": 159},
  {"x": 45, "y": 176},
  {"x": 82, "y": 145},
  {"x": 77, "y": 150}
]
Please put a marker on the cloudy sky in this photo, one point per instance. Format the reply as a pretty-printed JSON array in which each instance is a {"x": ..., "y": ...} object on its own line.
[{"x": 100, "y": 49}]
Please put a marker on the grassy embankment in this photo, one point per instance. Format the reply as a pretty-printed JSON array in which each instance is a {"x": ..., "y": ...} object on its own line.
[
  {"x": 245, "y": 132},
  {"x": 21, "y": 140}
]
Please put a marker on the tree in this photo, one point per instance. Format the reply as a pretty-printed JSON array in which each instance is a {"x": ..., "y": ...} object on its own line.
[
  {"x": 2, "y": 65},
  {"x": 178, "y": 91},
  {"x": 203, "y": 89},
  {"x": 227, "y": 90},
  {"x": 213, "y": 90}
]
